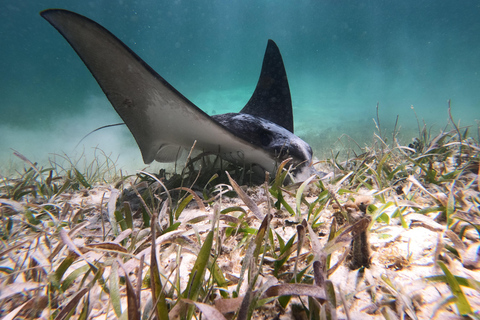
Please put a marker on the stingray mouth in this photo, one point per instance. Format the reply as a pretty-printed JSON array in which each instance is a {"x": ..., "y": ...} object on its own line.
[{"x": 300, "y": 153}]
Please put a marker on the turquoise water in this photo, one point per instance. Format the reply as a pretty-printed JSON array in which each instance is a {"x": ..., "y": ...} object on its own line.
[{"x": 342, "y": 57}]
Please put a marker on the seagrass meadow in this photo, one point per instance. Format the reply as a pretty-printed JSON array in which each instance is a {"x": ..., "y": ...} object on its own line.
[{"x": 392, "y": 233}]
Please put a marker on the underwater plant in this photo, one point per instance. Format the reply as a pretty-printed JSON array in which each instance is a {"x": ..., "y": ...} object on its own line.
[{"x": 394, "y": 233}]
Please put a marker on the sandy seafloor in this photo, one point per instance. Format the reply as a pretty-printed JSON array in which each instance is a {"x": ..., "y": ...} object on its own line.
[{"x": 401, "y": 257}]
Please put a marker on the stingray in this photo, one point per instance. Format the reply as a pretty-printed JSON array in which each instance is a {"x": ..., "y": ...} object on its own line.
[{"x": 164, "y": 122}]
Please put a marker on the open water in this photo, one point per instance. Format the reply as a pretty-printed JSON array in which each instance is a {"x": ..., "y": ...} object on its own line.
[{"x": 342, "y": 58}]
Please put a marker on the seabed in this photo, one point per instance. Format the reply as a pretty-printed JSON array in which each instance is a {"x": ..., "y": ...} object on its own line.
[{"x": 392, "y": 233}]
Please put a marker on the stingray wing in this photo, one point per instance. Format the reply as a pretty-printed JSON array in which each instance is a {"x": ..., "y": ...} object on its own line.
[
  {"x": 271, "y": 99},
  {"x": 160, "y": 118}
]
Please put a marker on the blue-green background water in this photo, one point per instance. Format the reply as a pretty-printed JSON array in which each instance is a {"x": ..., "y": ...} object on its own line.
[{"x": 342, "y": 57}]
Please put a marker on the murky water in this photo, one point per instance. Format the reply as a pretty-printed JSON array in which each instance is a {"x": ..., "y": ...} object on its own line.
[{"x": 342, "y": 57}]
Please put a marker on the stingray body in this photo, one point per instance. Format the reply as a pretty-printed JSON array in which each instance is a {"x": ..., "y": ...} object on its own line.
[{"x": 163, "y": 121}]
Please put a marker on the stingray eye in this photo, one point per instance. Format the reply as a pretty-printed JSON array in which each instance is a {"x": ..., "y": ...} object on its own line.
[{"x": 265, "y": 138}]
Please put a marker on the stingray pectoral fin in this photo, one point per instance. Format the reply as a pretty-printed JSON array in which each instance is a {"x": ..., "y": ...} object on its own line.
[
  {"x": 168, "y": 153},
  {"x": 271, "y": 99},
  {"x": 155, "y": 112},
  {"x": 143, "y": 99},
  {"x": 159, "y": 117}
]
